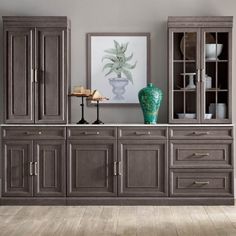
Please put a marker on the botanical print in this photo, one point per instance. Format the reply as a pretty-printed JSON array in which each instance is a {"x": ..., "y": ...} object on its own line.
[
  {"x": 118, "y": 66},
  {"x": 118, "y": 63}
]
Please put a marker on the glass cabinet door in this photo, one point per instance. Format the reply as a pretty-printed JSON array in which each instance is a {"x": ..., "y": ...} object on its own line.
[
  {"x": 215, "y": 77},
  {"x": 184, "y": 86}
]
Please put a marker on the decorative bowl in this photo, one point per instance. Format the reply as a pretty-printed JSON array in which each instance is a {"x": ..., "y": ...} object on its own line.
[
  {"x": 186, "y": 115},
  {"x": 208, "y": 116},
  {"x": 212, "y": 50}
]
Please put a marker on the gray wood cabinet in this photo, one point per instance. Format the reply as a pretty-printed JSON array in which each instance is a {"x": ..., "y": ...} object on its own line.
[
  {"x": 17, "y": 168},
  {"x": 33, "y": 165},
  {"x": 36, "y": 69},
  {"x": 200, "y": 69},
  {"x": 143, "y": 168},
  {"x": 91, "y": 168}
]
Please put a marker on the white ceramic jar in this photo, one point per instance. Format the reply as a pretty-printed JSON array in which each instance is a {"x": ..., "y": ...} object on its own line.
[
  {"x": 220, "y": 109},
  {"x": 208, "y": 82}
]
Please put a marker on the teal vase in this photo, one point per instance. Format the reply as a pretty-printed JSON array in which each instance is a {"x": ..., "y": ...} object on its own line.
[{"x": 150, "y": 99}]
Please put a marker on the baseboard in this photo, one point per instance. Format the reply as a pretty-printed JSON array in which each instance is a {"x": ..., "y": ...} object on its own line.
[{"x": 118, "y": 201}]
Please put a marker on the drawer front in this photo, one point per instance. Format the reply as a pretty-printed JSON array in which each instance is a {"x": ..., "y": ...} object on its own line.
[
  {"x": 196, "y": 183},
  {"x": 142, "y": 132},
  {"x": 91, "y": 133},
  {"x": 201, "y": 154},
  {"x": 34, "y": 133},
  {"x": 201, "y": 132}
]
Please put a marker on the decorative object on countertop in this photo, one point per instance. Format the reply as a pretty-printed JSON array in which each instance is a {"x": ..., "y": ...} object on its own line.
[
  {"x": 150, "y": 99},
  {"x": 118, "y": 64},
  {"x": 208, "y": 82},
  {"x": 218, "y": 110},
  {"x": 213, "y": 50},
  {"x": 191, "y": 84},
  {"x": 97, "y": 97},
  {"x": 80, "y": 91}
]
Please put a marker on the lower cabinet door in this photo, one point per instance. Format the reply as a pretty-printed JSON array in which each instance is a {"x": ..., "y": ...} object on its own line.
[
  {"x": 17, "y": 168},
  {"x": 142, "y": 168},
  {"x": 91, "y": 168},
  {"x": 49, "y": 168}
]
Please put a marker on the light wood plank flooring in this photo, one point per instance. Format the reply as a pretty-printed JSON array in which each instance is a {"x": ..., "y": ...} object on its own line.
[{"x": 117, "y": 220}]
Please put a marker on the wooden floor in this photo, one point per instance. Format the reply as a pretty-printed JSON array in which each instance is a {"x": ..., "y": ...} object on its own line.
[{"x": 117, "y": 220}]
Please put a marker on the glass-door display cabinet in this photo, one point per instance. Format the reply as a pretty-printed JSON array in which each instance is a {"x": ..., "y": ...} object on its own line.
[{"x": 200, "y": 69}]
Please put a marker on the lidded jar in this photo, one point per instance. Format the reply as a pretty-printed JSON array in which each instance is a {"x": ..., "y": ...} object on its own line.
[{"x": 150, "y": 99}]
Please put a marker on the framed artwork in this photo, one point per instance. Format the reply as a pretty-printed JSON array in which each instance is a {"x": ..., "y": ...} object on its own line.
[{"x": 118, "y": 65}]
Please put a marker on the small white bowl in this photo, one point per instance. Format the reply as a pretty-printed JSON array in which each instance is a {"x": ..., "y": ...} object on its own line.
[
  {"x": 212, "y": 50},
  {"x": 208, "y": 116},
  {"x": 186, "y": 115}
]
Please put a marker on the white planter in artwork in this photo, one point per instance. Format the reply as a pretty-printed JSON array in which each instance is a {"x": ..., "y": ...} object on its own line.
[{"x": 118, "y": 87}]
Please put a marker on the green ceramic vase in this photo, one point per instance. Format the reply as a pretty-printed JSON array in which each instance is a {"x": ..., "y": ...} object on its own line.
[{"x": 150, "y": 99}]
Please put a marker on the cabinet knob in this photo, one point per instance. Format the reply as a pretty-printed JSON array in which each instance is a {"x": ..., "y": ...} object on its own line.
[
  {"x": 33, "y": 133},
  {"x": 36, "y": 168}
]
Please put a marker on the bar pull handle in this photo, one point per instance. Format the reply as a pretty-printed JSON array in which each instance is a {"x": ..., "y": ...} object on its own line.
[
  {"x": 198, "y": 75},
  {"x": 142, "y": 133},
  {"x": 115, "y": 168},
  {"x": 36, "y": 75},
  {"x": 198, "y": 154},
  {"x": 32, "y": 75},
  {"x": 201, "y": 182},
  {"x": 91, "y": 133},
  {"x": 203, "y": 75},
  {"x": 119, "y": 168},
  {"x": 36, "y": 168},
  {"x": 33, "y": 133},
  {"x": 201, "y": 133},
  {"x": 30, "y": 168}
]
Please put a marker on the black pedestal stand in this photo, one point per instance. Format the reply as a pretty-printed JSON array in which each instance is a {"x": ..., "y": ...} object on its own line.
[
  {"x": 82, "y": 121},
  {"x": 98, "y": 121}
]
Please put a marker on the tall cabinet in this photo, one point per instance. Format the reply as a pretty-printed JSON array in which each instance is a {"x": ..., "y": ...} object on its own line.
[
  {"x": 36, "y": 69},
  {"x": 200, "y": 65}
]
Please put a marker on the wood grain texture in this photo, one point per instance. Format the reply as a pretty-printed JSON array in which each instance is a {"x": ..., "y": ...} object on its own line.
[{"x": 117, "y": 220}]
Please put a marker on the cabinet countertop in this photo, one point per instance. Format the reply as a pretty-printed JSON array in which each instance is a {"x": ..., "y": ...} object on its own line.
[{"x": 119, "y": 125}]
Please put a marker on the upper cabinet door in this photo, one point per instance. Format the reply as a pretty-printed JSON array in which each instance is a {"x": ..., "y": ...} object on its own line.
[
  {"x": 18, "y": 74},
  {"x": 50, "y": 75},
  {"x": 216, "y": 64},
  {"x": 184, "y": 75}
]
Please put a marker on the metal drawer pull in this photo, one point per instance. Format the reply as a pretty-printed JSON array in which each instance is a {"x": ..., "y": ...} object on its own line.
[
  {"x": 31, "y": 168},
  {"x": 91, "y": 133},
  {"x": 115, "y": 168},
  {"x": 35, "y": 168},
  {"x": 201, "y": 182},
  {"x": 201, "y": 133},
  {"x": 201, "y": 154},
  {"x": 142, "y": 133},
  {"x": 36, "y": 76},
  {"x": 33, "y": 133},
  {"x": 119, "y": 168}
]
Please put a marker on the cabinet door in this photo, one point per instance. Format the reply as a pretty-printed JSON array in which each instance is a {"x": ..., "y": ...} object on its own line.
[
  {"x": 216, "y": 86},
  {"x": 49, "y": 168},
  {"x": 50, "y": 90},
  {"x": 17, "y": 168},
  {"x": 18, "y": 76},
  {"x": 90, "y": 168},
  {"x": 142, "y": 168},
  {"x": 184, "y": 75}
]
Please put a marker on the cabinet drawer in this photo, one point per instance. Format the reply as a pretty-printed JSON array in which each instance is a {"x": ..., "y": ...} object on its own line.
[
  {"x": 198, "y": 182},
  {"x": 91, "y": 133},
  {"x": 33, "y": 133},
  {"x": 142, "y": 132},
  {"x": 201, "y": 132},
  {"x": 190, "y": 153}
]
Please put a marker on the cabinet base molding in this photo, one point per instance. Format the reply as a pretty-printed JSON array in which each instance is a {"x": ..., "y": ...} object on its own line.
[{"x": 117, "y": 201}]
